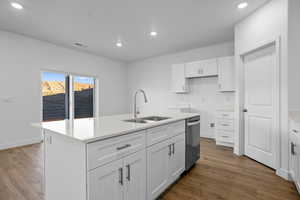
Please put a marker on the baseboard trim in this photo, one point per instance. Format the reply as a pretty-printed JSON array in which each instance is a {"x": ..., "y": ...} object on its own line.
[
  {"x": 20, "y": 143},
  {"x": 283, "y": 174}
]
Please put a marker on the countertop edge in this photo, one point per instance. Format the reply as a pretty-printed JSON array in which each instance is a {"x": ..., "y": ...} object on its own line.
[{"x": 117, "y": 134}]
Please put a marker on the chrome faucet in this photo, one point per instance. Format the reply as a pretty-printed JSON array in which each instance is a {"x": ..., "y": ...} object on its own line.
[{"x": 145, "y": 99}]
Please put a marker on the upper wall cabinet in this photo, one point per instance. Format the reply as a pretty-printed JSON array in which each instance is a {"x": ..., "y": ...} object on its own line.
[
  {"x": 226, "y": 74},
  {"x": 204, "y": 68},
  {"x": 179, "y": 82}
]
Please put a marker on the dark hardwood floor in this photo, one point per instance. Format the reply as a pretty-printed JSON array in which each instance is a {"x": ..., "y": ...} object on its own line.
[{"x": 218, "y": 175}]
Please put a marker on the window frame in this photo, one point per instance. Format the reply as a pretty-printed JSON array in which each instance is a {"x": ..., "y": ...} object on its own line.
[{"x": 70, "y": 93}]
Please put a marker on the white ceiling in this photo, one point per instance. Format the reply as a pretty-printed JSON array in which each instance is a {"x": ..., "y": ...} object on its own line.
[{"x": 181, "y": 24}]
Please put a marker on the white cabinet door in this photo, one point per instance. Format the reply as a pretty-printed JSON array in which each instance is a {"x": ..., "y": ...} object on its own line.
[
  {"x": 177, "y": 161},
  {"x": 179, "y": 82},
  {"x": 203, "y": 68},
  {"x": 158, "y": 157},
  {"x": 226, "y": 74},
  {"x": 297, "y": 161},
  {"x": 135, "y": 176},
  {"x": 293, "y": 158},
  {"x": 107, "y": 182}
]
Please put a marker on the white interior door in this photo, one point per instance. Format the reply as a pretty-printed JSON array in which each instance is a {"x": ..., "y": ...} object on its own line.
[{"x": 260, "y": 105}]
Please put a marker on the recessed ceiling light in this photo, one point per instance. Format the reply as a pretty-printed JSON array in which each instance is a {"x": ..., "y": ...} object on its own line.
[
  {"x": 153, "y": 33},
  {"x": 16, "y": 5},
  {"x": 119, "y": 44},
  {"x": 242, "y": 5}
]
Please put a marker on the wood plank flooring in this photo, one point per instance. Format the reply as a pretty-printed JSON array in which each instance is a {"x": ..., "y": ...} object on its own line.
[{"x": 218, "y": 175}]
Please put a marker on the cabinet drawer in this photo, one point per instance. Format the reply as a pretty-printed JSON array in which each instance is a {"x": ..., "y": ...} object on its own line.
[
  {"x": 225, "y": 136},
  {"x": 157, "y": 134},
  {"x": 102, "y": 152},
  {"x": 223, "y": 124},
  {"x": 176, "y": 128},
  {"x": 225, "y": 115}
]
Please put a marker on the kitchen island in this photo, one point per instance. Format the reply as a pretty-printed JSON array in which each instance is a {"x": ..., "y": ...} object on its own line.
[{"x": 111, "y": 158}]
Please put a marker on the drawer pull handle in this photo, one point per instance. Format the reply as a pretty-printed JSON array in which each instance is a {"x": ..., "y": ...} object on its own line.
[
  {"x": 123, "y": 147},
  {"x": 223, "y": 136},
  {"x": 225, "y": 115},
  {"x": 225, "y": 124},
  {"x": 295, "y": 131}
]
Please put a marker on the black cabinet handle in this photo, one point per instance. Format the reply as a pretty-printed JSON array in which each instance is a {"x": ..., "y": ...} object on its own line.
[
  {"x": 170, "y": 150},
  {"x": 123, "y": 147},
  {"x": 173, "y": 145},
  {"x": 293, "y": 148},
  {"x": 121, "y": 176},
  {"x": 128, "y": 172}
]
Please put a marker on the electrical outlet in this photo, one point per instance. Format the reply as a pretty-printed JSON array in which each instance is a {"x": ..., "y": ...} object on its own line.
[{"x": 212, "y": 125}]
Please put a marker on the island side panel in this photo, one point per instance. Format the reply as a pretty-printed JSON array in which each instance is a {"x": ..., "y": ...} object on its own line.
[{"x": 65, "y": 167}]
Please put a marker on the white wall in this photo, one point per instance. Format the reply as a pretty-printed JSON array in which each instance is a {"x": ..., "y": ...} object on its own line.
[
  {"x": 154, "y": 76},
  {"x": 21, "y": 60},
  {"x": 267, "y": 23},
  {"x": 293, "y": 53}
]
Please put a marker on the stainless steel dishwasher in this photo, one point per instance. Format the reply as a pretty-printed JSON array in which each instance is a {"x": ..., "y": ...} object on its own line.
[{"x": 192, "y": 139}]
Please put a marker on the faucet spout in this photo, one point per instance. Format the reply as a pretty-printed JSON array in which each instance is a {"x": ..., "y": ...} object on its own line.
[{"x": 145, "y": 100}]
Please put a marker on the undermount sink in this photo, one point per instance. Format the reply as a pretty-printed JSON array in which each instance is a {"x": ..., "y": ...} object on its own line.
[
  {"x": 138, "y": 120},
  {"x": 144, "y": 120},
  {"x": 155, "y": 118}
]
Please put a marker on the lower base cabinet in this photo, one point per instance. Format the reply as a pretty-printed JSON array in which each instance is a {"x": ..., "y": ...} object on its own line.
[
  {"x": 104, "y": 182},
  {"x": 295, "y": 157},
  {"x": 177, "y": 160},
  {"x": 165, "y": 163},
  {"x": 121, "y": 179},
  {"x": 136, "y": 166}
]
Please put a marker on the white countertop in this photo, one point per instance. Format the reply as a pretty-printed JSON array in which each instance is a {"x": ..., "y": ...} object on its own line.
[{"x": 92, "y": 129}]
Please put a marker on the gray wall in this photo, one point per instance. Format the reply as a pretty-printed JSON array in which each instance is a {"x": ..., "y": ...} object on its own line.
[
  {"x": 21, "y": 61},
  {"x": 154, "y": 76}
]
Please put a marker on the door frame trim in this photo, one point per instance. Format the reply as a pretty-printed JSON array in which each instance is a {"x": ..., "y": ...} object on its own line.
[{"x": 239, "y": 139}]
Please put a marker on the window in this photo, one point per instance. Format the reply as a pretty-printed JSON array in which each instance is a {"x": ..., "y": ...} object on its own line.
[
  {"x": 83, "y": 97},
  {"x": 60, "y": 89}
]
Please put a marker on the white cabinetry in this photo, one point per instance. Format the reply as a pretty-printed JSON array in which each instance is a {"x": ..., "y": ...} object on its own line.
[
  {"x": 135, "y": 176},
  {"x": 104, "y": 182},
  {"x": 225, "y": 128},
  {"x": 226, "y": 74},
  {"x": 165, "y": 161},
  {"x": 222, "y": 67},
  {"x": 177, "y": 158},
  {"x": 157, "y": 169},
  {"x": 204, "y": 68},
  {"x": 117, "y": 168},
  {"x": 121, "y": 179},
  {"x": 179, "y": 81},
  {"x": 295, "y": 154}
]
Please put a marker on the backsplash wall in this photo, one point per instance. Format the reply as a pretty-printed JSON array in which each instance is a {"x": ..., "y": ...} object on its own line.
[{"x": 154, "y": 76}]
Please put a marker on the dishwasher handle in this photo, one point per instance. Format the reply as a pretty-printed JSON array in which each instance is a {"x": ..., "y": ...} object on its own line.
[{"x": 193, "y": 123}]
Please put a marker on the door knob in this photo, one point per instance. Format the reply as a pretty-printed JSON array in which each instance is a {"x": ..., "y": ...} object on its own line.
[{"x": 245, "y": 110}]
